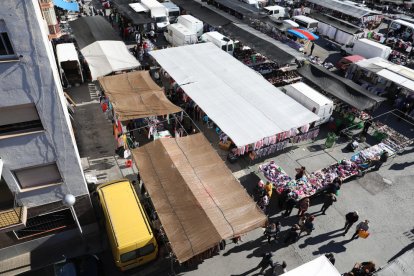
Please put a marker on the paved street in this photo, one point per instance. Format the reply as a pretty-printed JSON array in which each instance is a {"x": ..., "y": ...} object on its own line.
[{"x": 382, "y": 197}]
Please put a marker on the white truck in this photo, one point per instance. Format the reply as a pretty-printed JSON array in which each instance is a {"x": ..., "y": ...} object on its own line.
[
  {"x": 178, "y": 35},
  {"x": 158, "y": 12},
  {"x": 253, "y": 3},
  {"x": 173, "y": 10},
  {"x": 311, "y": 99},
  {"x": 276, "y": 12},
  {"x": 191, "y": 23},
  {"x": 224, "y": 43},
  {"x": 367, "y": 49}
]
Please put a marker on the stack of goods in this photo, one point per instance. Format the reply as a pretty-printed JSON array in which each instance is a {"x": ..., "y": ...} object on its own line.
[
  {"x": 275, "y": 174},
  {"x": 392, "y": 138}
]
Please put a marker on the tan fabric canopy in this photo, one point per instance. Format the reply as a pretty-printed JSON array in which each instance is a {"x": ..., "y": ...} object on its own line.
[
  {"x": 197, "y": 198},
  {"x": 135, "y": 95}
]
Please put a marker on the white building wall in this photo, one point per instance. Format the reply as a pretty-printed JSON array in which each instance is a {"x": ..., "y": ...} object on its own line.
[{"x": 34, "y": 79}]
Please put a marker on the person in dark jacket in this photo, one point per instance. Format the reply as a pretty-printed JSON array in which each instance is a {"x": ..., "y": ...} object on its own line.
[
  {"x": 293, "y": 234},
  {"x": 272, "y": 231},
  {"x": 329, "y": 200},
  {"x": 266, "y": 262},
  {"x": 350, "y": 218},
  {"x": 382, "y": 160},
  {"x": 290, "y": 204}
]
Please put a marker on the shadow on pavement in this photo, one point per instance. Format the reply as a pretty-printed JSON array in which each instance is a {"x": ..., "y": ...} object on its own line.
[
  {"x": 321, "y": 238},
  {"x": 332, "y": 247}
]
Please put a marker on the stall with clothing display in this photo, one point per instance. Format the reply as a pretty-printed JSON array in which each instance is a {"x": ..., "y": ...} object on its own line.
[{"x": 248, "y": 109}]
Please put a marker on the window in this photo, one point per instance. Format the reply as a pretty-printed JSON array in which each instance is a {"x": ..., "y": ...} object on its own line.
[
  {"x": 19, "y": 119},
  {"x": 38, "y": 176},
  {"x": 6, "y": 48},
  {"x": 129, "y": 256}
]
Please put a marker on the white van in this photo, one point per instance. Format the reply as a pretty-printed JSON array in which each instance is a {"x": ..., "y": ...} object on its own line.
[
  {"x": 173, "y": 10},
  {"x": 69, "y": 65},
  {"x": 307, "y": 23},
  {"x": 253, "y": 3},
  {"x": 276, "y": 12},
  {"x": 224, "y": 43},
  {"x": 191, "y": 23},
  {"x": 178, "y": 35},
  {"x": 311, "y": 99}
]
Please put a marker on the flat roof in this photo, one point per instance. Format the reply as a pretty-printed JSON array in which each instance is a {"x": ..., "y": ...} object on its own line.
[
  {"x": 240, "y": 101},
  {"x": 310, "y": 93},
  {"x": 125, "y": 212},
  {"x": 305, "y": 18}
]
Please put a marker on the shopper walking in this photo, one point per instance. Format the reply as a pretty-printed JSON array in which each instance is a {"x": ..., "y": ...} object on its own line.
[
  {"x": 272, "y": 231},
  {"x": 328, "y": 201},
  {"x": 279, "y": 269},
  {"x": 266, "y": 261},
  {"x": 350, "y": 218},
  {"x": 303, "y": 206},
  {"x": 312, "y": 48},
  {"x": 383, "y": 158},
  {"x": 308, "y": 225},
  {"x": 362, "y": 226},
  {"x": 290, "y": 204},
  {"x": 293, "y": 234},
  {"x": 283, "y": 198}
]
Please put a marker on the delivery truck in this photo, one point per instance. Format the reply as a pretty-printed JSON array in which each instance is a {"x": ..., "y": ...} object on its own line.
[
  {"x": 158, "y": 12},
  {"x": 367, "y": 49},
  {"x": 276, "y": 13},
  {"x": 311, "y": 99},
  {"x": 178, "y": 35},
  {"x": 69, "y": 65},
  {"x": 191, "y": 23},
  {"x": 224, "y": 43},
  {"x": 173, "y": 10}
]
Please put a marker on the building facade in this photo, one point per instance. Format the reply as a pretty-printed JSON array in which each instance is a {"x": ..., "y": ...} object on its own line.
[{"x": 40, "y": 162}]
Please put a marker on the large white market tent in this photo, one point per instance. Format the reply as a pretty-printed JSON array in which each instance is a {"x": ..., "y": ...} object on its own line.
[
  {"x": 101, "y": 47},
  {"x": 240, "y": 101},
  {"x": 317, "y": 267}
]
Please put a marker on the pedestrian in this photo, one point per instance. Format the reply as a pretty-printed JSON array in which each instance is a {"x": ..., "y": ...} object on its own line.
[
  {"x": 308, "y": 225},
  {"x": 334, "y": 187},
  {"x": 266, "y": 262},
  {"x": 260, "y": 190},
  {"x": 328, "y": 201},
  {"x": 300, "y": 172},
  {"x": 269, "y": 189},
  {"x": 312, "y": 48},
  {"x": 293, "y": 234},
  {"x": 279, "y": 269},
  {"x": 263, "y": 203},
  {"x": 350, "y": 218},
  {"x": 303, "y": 206},
  {"x": 283, "y": 198},
  {"x": 367, "y": 125},
  {"x": 362, "y": 226},
  {"x": 272, "y": 231},
  {"x": 290, "y": 204},
  {"x": 330, "y": 257},
  {"x": 378, "y": 163}
]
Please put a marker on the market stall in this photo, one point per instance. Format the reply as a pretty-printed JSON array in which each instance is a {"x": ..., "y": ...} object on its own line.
[
  {"x": 243, "y": 105},
  {"x": 317, "y": 267},
  {"x": 103, "y": 50},
  {"x": 186, "y": 180}
]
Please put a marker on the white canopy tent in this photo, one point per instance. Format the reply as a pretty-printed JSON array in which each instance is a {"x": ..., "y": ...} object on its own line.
[
  {"x": 107, "y": 56},
  {"x": 317, "y": 267},
  {"x": 66, "y": 52},
  {"x": 240, "y": 101}
]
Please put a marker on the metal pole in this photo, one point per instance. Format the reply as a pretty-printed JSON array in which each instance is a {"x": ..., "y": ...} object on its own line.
[{"x": 76, "y": 220}]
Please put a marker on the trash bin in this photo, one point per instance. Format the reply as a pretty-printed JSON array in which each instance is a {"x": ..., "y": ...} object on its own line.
[{"x": 330, "y": 140}]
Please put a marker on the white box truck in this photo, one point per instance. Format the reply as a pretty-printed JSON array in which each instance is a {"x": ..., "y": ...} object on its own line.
[
  {"x": 158, "y": 12},
  {"x": 173, "y": 11},
  {"x": 311, "y": 99},
  {"x": 178, "y": 35},
  {"x": 224, "y": 43},
  {"x": 367, "y": 49},
  {"x": 191, "y": 23}
]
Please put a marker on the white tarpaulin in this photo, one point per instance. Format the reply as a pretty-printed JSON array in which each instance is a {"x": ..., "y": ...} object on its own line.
[
  {"x": 240, "y": 101},
  {"x": 319, "y": 267},
  {"x": 66, "y": 52},
  {"x": 107, "y": 56}
]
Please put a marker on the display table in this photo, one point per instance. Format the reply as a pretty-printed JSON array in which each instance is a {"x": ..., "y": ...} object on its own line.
[
  {"x": 162, "y": 134},
  {"x": 390, "y": 137}
]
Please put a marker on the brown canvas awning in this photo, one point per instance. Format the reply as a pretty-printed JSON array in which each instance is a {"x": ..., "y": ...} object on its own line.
[
  {"x": 135, "y": 95},
  {"x": 197, "y": 198}
]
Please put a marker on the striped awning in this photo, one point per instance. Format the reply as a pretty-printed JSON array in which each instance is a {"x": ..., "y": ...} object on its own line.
[{"x": 303, "y": 34}]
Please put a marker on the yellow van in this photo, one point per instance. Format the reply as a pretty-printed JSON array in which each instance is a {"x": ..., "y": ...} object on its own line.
[{"x": 130, "y": 235}]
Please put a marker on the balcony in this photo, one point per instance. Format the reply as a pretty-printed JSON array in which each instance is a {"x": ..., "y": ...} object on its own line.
[
  {"x": 54, "y": 31},
  {"x": 46, "y": 3},
  {"x": 13, "y": 219}
]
